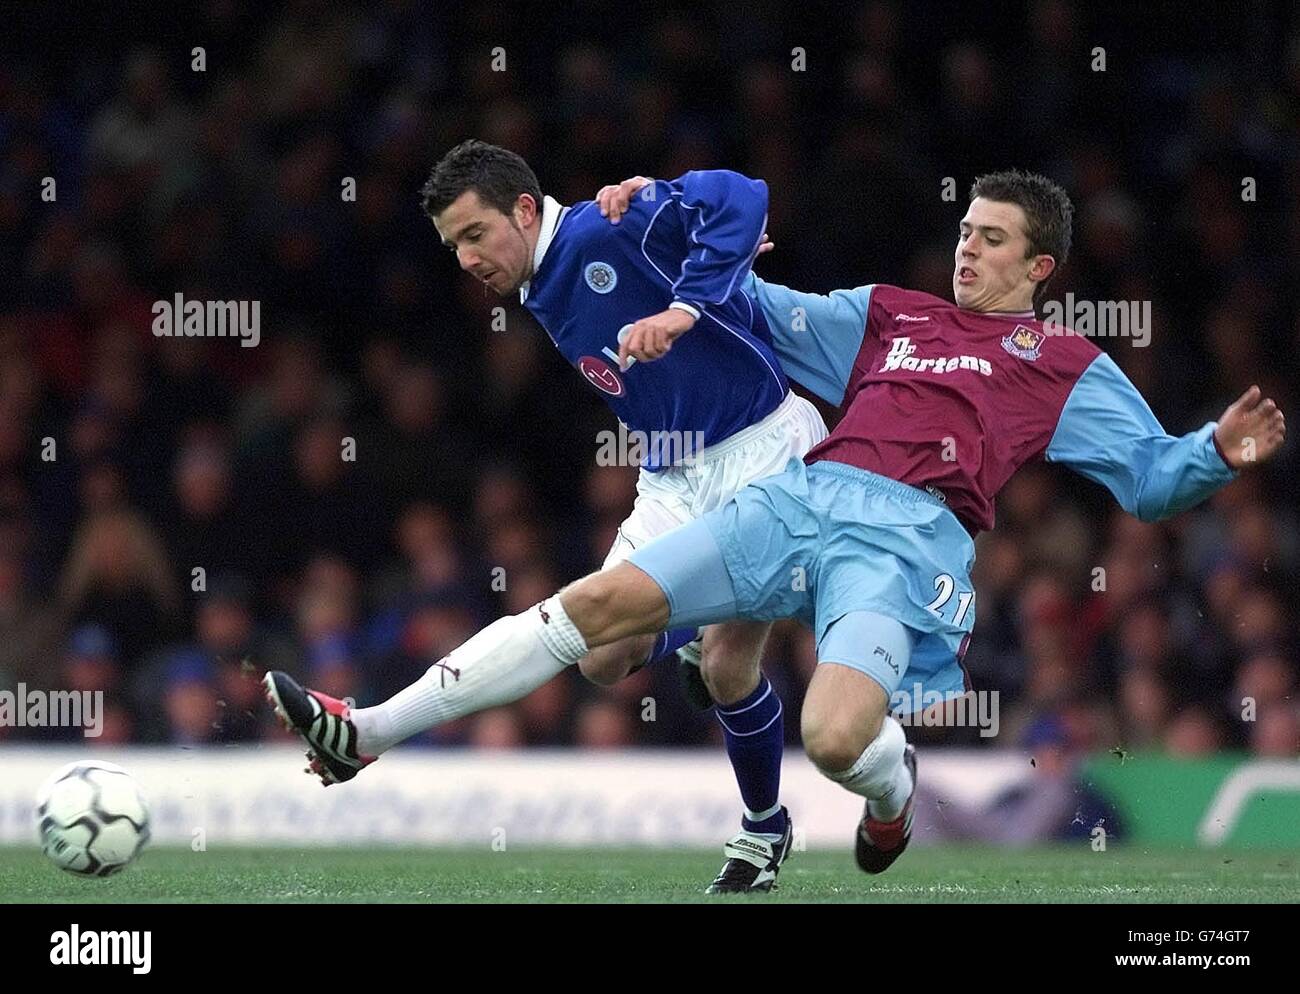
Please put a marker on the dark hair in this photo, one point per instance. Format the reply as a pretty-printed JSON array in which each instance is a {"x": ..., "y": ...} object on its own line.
[
  {"x": 1049, "y": 215},
  {"x": 496, "y": 174}
]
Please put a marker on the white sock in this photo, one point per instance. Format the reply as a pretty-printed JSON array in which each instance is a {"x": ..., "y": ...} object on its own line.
[
  {"x": 879, "y": 774},
  {"x": 507, "y": 660}
]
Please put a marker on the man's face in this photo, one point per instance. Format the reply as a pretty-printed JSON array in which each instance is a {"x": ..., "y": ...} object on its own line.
[
  {"x": 990, "y": 271},
  {"x": 491, "y": 246}
]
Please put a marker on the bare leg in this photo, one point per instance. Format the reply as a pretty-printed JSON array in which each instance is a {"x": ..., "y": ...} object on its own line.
[
  {"x": 609, "y": 664},
  {"x": 732, "y": 651},
  {"x": 849, "y": 737},
  {"x": 617, "y": 602},
  {"x": 842, "y": 713}
]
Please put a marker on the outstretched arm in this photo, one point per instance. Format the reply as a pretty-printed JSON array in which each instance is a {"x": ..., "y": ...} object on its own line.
[
  {"x": 816, "y": 336},
  {"x": 1107, "y": 433}
]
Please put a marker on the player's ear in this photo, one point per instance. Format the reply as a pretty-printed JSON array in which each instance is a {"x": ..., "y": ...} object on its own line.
[
  {"x": 1041, "y": 268},
  {"x": 526, "y": 209}
]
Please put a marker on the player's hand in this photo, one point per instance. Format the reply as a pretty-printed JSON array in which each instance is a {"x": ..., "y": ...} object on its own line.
[
  {"x": 613, "y": 200},
  {"x": 1251, "y": 430},
  {"x": 652, "y": 337}
]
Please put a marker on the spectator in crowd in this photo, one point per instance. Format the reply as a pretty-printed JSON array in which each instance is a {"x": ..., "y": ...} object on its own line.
[{"x": 118, "y": 575}]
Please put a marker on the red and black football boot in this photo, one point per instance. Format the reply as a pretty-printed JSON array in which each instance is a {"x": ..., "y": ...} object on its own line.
[
  {"x": 879, "y": 843},
  {"x": 322, "y": 722}
]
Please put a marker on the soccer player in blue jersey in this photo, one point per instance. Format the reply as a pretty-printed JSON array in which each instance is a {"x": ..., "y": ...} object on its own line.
[
  {"x": 942, "y": 402},
  {"x": 712, "y": 416}
]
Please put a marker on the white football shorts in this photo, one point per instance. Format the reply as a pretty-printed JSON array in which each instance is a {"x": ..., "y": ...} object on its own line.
[{"x": 678, "y": 494}]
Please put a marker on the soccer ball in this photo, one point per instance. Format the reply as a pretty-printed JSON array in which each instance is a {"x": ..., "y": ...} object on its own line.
[{"x": 93, "y": 820}]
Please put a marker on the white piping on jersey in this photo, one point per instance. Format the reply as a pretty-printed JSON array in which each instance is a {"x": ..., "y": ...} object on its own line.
[
  {"x": 731, "y": 284},
  {"x": 644, "y": 238},
  {"x": 552, "y": 214}
]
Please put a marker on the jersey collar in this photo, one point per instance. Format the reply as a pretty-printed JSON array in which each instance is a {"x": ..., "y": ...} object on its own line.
[
  {"x": 1028, "y": 315},
  {"x": 552, "y": 214}
]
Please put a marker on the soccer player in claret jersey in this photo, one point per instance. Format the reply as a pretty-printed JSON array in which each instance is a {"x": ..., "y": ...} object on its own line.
[
  {"x": 675, "y": 263},
  {"x": 942, "y": 402}
]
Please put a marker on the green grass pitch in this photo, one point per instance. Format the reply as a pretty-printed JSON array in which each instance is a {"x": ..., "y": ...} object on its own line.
[{"x": 946, "y": 874}]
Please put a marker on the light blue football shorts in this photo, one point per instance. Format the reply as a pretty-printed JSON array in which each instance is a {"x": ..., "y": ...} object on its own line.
[{"x": 841, "y": 549}]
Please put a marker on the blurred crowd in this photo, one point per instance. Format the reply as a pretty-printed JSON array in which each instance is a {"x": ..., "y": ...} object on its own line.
[{"x": 387, "y": 471}]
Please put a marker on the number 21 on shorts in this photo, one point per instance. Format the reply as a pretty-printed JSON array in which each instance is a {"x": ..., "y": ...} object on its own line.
[{"x": 946, "y": 586}]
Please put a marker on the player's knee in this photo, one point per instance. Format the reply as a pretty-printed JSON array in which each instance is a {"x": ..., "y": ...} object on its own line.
[
  {"x": 833, "y": 746},
  {"x": 599, "y": 671},
  {"x": 729, "y": 677},
  {"x": 843, "y": 713},
  {"x": 615, "y": 603},
  {"x": 607, "y": 665},
  {"x": 590, "y": 604},
  {"x": 834, "y": 741},
  {"x": 729, "y": 663}
]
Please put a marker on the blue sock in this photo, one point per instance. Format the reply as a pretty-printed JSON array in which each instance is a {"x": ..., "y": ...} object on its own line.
[
  {"x": 667, "y": 643},
  {"x": 755, "y": 736}
]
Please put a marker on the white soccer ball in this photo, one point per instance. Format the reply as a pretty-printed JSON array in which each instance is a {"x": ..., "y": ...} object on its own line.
[{"x": 92, "y": 818}]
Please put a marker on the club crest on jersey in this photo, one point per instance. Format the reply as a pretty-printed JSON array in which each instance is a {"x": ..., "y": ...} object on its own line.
[
  {"x": 600, "y": 277},
  {"x": 1024, "y": 343},
  {"x": 601, "y": 375}
]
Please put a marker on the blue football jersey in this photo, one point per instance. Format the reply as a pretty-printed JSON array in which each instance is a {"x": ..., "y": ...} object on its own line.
[{"x": 691, "y": 240}]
